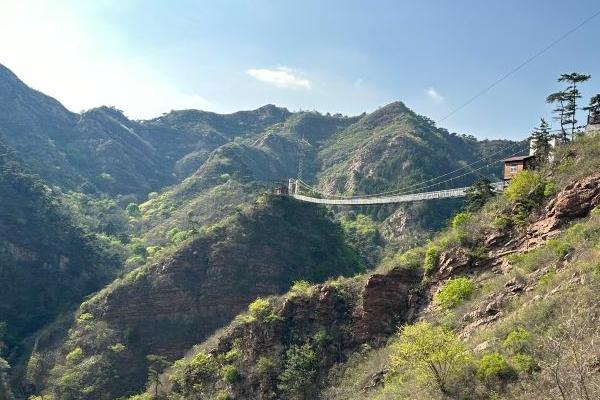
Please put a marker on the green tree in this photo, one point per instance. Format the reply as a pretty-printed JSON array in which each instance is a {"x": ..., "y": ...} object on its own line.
[
  {"x": 567, "y": 102},
  {"x": 300, "y": 372},
  {"x": 429, "y": 354},
  {"x": 478, "y": 194},
  {"x": 157, "y": 364},
  {"x": 133, "y": 210},
  {"x": 540, "y": 139},
  {"x": 560, "y": 100}
]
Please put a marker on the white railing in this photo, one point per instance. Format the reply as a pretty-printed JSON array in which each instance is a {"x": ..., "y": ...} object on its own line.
[{"x": 403, "y": 198}]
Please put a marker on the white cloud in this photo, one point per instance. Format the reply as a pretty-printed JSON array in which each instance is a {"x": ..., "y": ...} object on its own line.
[
  {"x": 53, "y": 50},
  {"x": 281, "y": 77},
  {"x": 434, "y": 95}
]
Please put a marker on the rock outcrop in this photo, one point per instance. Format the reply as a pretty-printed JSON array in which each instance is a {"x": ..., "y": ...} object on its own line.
[
  {"x": 574, "y": 201},
  {"x": 387, "y": 299}
]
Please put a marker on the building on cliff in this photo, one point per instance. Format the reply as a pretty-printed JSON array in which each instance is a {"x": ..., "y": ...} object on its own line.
[{"x": 514, "y": 165}]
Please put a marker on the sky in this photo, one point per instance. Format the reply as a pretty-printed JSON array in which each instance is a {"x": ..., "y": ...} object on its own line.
[{"x": 147, "y": 57}]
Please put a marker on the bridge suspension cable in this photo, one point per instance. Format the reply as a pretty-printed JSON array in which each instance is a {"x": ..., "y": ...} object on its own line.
[{"x": 424, "y": 184}]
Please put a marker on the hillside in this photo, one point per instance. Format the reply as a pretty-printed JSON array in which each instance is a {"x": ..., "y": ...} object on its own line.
[
  {"x": 170, "y": 204},
  {"x": 164, "y": 308},
  {"x": 403, "y": 148},
  {"x": 47, "y": 263},
  {"x": 501, "y": 304}
]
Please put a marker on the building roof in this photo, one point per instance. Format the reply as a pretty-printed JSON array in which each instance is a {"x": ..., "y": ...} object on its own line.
[{"x": 518, "y": 158}]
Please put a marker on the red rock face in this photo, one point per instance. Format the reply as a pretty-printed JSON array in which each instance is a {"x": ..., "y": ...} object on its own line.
[
  {"x": 386, "y": 300},
  {"x": 574, "y": 201}
]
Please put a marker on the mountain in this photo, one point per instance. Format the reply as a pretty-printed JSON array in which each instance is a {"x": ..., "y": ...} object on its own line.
[
  {"x": 502, "y": 304},
  {"x": 47, "y": 263},
  {"x": 176, "y": 208},
  {"x": 164, "y": 308}
]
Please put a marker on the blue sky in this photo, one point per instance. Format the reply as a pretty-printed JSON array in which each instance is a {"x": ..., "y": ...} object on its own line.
[{"x": 148, "y": 57}]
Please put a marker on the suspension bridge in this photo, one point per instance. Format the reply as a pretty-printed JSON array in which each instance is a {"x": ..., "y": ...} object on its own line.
[
  {"x": 294, "y": 191},
  {"x": 420, "y": 191}
]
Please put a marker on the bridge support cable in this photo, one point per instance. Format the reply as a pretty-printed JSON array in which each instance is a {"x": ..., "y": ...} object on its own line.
[
  {"x": 420, "y": 187},
  {"x": 405, "y": 198}
]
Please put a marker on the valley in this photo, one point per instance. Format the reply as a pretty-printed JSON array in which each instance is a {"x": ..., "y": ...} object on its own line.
[{"x": 151, "y": 259}]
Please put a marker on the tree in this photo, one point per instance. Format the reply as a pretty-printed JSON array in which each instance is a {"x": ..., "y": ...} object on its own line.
[
  {"x": 561, "y": 99},
  {"x": 478, "y": 194},
  {"x": 157, "y": 365},
  {"x": 567, "y": 100},
  {"x": 540, "y": 139},
  {"x": 430, "y": 354},
  {"x": 300, "y": 372},
  {"x": 133, "y": 210}
]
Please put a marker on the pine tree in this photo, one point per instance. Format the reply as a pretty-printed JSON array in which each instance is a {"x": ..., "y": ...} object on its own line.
[
  {"x": 560, "y": 112},
  {"x": 540, "y": 138},
  {"x": 567, "y": 103}
]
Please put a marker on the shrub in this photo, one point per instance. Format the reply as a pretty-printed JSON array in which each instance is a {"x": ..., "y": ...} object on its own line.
[
  {"x": 264, "y": 365},
  {"x": 432, "y": 256},
  {"x": 117, "y": 348},
  {"x": 74, "y": 356},
  {"x": 547, "y": 278},
  {"x": 428, "y": 354},
  {"x": 460, "y": 220},
  {"x": 300, "y": 371},
  {"x": 453, "y": 292},
  {"x": 525, "y": 363},
  {"x": 262, "y": 310},
  {"x": 526, "y": 185},
  {"x": 550, "y": 189},
  {"x": 203, "y": 364},
  {"x": 410, "y": 259},
  {"x": 85, "y": 317},
  {"x": 230, "y": 373},
  {"x": 301, "y": 289},
  {"x": 517, "y": 340},
  {"x": 494, "y": 366},
  {"x": 501, "y": 222}
]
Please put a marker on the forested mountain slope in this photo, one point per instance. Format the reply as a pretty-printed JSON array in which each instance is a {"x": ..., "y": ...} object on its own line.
[
  {"x": 47, "y": 264},
  {"x": 163, "y": 308},
  {"x": 502, "y": 304},
  {"x": 175, "y": 197}
]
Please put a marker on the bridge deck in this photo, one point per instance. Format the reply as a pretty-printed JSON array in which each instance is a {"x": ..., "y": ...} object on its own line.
[{"x": 404, "y": 198}]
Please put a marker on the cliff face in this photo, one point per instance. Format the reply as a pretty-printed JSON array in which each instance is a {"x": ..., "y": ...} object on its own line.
[
  {"x": 331, "y": 320},
  {"x": 164, "y": 308}
]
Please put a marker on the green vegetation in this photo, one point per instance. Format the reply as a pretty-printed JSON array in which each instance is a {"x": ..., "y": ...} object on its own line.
[
  {"x": 428, "y": 356},
  {"x": 453, "y": 292},
  {"x": 176, "y": 210},
  {"x": 299, "y": 372},
  {"x": 493, "y": 367},
  {"x": 48, "y": 262}
]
